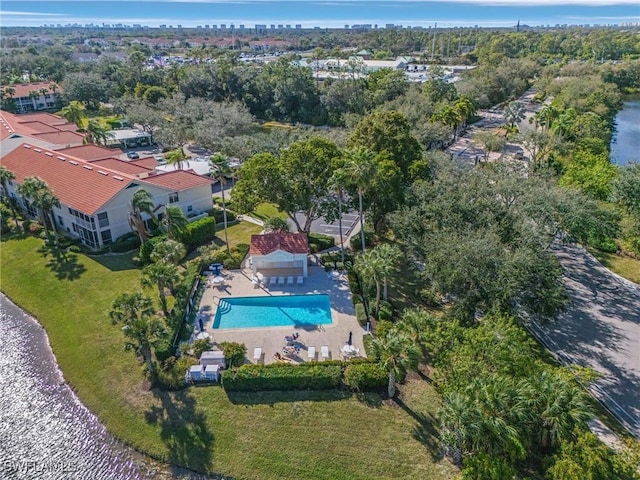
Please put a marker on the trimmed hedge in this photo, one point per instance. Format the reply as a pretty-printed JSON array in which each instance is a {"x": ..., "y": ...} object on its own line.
[
  {"x": 361, "y": 314},
  {"x": 319, "y": 242},
  {"x": 365, "y": 376},
  {"x": 219, "y": 215},
  {"x": 312, "y": 375},
  {"x": 200, "y": 232}
]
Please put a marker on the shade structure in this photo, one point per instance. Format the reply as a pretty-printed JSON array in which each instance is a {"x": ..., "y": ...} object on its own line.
[{"x": 217, "y": 280}]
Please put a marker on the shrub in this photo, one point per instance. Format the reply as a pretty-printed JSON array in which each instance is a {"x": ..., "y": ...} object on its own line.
[
  {"x": 356, "y": 241},
  {"x": 607, "y": 245},
  {"x": 146, "y": 249},
  {"x": 310, "y": 375},
  {"x": 430, "y": 298},
  {"x": 201, "y": 345},
  {"x": 320, "y": 242},
  {"x": 126, "y": 243},
  {"x": 234, "y": 353},
  {"x": 75, "y": 249},
  {"x": 365, "y": 376},
  {"x": 383, "y": 327},
  {"x": 163, "y": 349},
  {"x": 171, "y": 374},
  {"x": 385, "y": 312},
  {"x": 34, "y": 228},
  {"x": 361, "y": 314},
  {"x": 219, "y": 215},
  {"x": 200, "y": 232},
  {"x": 354, "y": 284}
]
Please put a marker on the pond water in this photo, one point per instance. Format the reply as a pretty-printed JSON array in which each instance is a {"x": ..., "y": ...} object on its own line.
[
  {"x": 625, "y": 145},
  {"x": 45, "y": 431}
]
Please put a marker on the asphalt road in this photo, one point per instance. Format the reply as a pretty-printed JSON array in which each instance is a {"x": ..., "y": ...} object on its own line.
[{"x": 600, "y": 329}]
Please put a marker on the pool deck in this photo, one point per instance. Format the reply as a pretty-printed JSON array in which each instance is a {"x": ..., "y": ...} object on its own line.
[{"x": 271, "y": 339}]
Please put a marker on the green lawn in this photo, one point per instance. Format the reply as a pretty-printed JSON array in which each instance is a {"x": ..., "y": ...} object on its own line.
[
  {"x": 276, "y": 435},
  {"x": 626, "y": 267}
]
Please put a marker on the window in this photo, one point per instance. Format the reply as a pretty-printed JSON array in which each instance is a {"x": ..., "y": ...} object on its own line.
[
  {"x": 173, "y": 197},
  {"x": 106, "y": 237},
  {"x": 190, "y": 208},
  {"x": 103, "y": 219},
  {"x": 60, "y": 220}
]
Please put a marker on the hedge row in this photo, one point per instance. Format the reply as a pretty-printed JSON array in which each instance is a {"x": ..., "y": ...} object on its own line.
[
  {"x": 358, "y": 374},
  {"x": 319, "y": 242},
  {"x": 219, "y": 215},
  {"x": 282, "y": 377}
]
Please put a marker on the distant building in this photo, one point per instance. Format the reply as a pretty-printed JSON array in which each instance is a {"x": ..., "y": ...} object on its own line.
[{"x": 32, "y": 97}]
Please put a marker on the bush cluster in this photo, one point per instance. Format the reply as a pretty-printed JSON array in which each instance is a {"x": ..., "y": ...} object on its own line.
[
  {"x": 356, "y": 241},
  {"x": 319, "y": 242},
  {"x": 219, "y": 215},
  {"x": 146, "y": 249},
  {"x": 125, "y": 243},
  {"x": 314, "y": 376},
  {"x": 171, "y": 374},
  {"x": 361, "y": 314},
  {"x": 200, "y": 232}
]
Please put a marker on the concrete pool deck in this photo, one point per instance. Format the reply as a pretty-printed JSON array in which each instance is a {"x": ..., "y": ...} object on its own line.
[{"x": 271, "y": 339}]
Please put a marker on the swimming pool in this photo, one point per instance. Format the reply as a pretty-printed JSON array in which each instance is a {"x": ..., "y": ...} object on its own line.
[{"x": 280, "y": 311}]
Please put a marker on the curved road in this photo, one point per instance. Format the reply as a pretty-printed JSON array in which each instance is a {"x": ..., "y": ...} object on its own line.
[{"x": 600, "y": 329}]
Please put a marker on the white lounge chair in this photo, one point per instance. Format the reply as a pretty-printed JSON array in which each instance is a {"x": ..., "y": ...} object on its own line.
[
  {"x": 273, "y": 281},
  {"x": 300, "y": 280},
  {"x": 324, "y": 352},
  {"x": 290, "y": 280},
  {"x": 257, "y": 354},
  {"x": 280, "y": 280},
  {"x": 311, "y": 353}
]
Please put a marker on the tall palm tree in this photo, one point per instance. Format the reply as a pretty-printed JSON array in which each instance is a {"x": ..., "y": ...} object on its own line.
[
  {"x": 5, "y": 177},
  {"x": 74, "y": 113},
  {"x": 465, "y": 109},
  {"x": 142, "y": 202},
  {"x": 220, "y": 170},
  {"x": 37, "y": 191},
  {"x": 359, "y": 168},
  {"x": 369, "y": 266},
  {"x": 415, "y": 324},
  {"x": 397, "y": 354},
  {"x": 163, "y": 276},
  {"x": 134, "y": 311},
  {"x": 450, "y": 117},
  {"x": 337, "y": 182},
  {"x": 389, "y": 256},
  {"x": 174, "y": 222}
]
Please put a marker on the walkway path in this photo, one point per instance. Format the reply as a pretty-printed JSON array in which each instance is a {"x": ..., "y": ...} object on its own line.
[{"x": 600, "y": 329}]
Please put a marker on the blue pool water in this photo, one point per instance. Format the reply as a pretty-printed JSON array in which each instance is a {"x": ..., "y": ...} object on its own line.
[{"x": 280, "y": 311}]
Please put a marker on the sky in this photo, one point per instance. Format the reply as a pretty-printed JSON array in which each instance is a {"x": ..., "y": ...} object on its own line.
[{"x": 321, "y": 13}]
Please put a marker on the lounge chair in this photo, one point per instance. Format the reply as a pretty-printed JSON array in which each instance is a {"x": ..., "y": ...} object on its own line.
[
  {"x": 300, "y": 280},
  {"x": 324, "y": 352},
  {"x": 311, "y": 353},
  {"x": 257, "y": 354},
  {"x": 273, "y": 281},
  {"x": 290, "y": 280},
  {"x": 280, "y": 280}
]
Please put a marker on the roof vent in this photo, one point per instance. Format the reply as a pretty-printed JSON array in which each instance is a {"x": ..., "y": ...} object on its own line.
[
  {"x": 48, "y": 154},
  {"x": 37, "y": 150},
  {"x": 88, "y": 167},
  {"x": 27, "y": 146},
  {"x": 72, "y": 162},
  {"x": 101, "y": 172},
  {"x": 61, "y": 158},
  {"x": 118, "y": 178}
]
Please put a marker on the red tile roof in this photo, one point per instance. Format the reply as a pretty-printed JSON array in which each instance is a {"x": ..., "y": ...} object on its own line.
[
  {"x": 270, "y": 242},
  {"x": 45, "y": 126},
  {"x": 121, "y": 166},
  {"x": 75, "y": 182},
  {"x": 22, "y": 90},
  {"x": 147, "y": 162},
  {"x": 178, "y": 180},
  {"x": 90, "y": 152},
  {"x": 60, "y": 138}
]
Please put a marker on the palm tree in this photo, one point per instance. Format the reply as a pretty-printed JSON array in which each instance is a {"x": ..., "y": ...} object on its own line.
[
  {"x": 558, "y": 405},
  {"x": 142, "y": 202},
  {"x": 74, "y": 113},
  {"x": 514, "y": 112},
  {"x": 220, "y": 170},
  {"x": 176, "y": 157},
  {"x": 36, "y": 191},
  {"x": 415, "y": 324},
  {"x": 450, "y": 117},
  {"x": 10, "y": 91},
  {"x": 359, "y": 168},
  {"x": 396, "y": 354},
  {"x": 139, "y": 324},
  {"x": 389, "y": 256},
  {"x": 163, "y": 276},
  {"x": 5, "y": 177},
  {"x": 96, "y": 133},
  {"x": 369, "y": 266},
  {"x": 465, "y": 109},
  {"x": 336, "y": 183},
  {"x": 174, "y": 222},
  {"x": 168, "y": 251},
  {"x": 34, "y": 95}
]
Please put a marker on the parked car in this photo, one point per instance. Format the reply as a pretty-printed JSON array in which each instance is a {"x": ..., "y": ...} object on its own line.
[{"x": 133, "y": 155}]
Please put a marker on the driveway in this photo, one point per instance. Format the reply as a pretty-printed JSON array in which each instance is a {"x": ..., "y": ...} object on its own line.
[{"x": 600, "y": 329}]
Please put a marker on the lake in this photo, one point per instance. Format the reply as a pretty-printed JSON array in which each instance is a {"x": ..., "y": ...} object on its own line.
[{"x": 625, "y": 145}]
